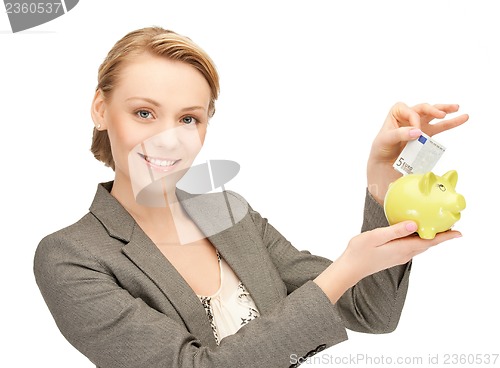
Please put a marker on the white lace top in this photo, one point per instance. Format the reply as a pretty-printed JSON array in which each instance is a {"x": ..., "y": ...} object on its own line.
[{"x": 231, "y": 307}]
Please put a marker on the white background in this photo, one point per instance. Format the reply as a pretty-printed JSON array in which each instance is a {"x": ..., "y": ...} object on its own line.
[{"x": 305, "y": 88}]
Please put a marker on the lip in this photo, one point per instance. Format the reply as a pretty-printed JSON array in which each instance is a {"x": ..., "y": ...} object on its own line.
[{"x": 162, "y": 164}]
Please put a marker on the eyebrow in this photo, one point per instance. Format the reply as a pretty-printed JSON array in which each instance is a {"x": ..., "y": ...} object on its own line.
[
  {"x": 151, "y": 101},
  {"x": 157, "y": 104}
]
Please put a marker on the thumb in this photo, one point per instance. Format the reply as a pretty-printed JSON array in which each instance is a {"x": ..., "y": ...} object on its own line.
[
  {"x": 402, "y": 134},
  {"x": 384, "y": 235}
]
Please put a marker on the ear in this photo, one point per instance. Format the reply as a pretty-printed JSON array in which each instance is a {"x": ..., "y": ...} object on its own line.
[
  {"x": 426, "y": 182},
  {"x": 452, "y": 177},
  {"x": 97, "y": 111}
]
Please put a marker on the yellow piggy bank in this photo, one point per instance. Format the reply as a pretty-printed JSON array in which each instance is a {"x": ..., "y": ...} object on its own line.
[{"x": 427, "y": 199}]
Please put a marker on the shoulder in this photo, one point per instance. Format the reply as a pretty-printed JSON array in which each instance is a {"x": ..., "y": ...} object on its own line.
[
  {"x": 61, "y": 242},
  {"x": 212, "y": 199},
  {"x": 216, "y": 204},
  {"x": 73, "y": 231},
  {"x": 60, "y": 254},
  {"x": 86, "y": 243},
  {"x": 218, "y": 211}
]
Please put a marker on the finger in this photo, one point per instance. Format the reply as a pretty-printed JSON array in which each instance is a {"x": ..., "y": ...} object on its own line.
[
  {"x": 396, "y": 136},
  {"x": 447, "y": 108},
  {"x": 404, "y": 115},
  {"x": 427, "y": 111},
  {"x": 445, "y": 236},
  {"x": 446, "y": 124},
  {"x": 384, "y": 235},
  {"x": 437, "y": 111},
  {"x": 405, "y": 249}
]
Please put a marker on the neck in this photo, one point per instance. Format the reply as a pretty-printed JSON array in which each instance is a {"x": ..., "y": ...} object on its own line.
[{"x": 157, "y": 214}]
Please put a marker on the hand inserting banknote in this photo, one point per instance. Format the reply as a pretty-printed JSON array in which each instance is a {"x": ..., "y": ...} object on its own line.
[{"x": 419, "y": 156}]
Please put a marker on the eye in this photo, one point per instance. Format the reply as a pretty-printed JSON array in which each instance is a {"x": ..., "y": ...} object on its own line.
[
  {"x": 144, "y": 114},
  {"x": 188, "y": 120},
  {"x": 442, "y": 187}
]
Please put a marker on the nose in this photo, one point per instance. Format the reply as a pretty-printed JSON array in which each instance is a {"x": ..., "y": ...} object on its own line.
[
  {"x": 460, "y": 202},
  {"x": 167, "y": 138}
]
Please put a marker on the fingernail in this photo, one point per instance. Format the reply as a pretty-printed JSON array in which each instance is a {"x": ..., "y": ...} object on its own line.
[
  {"x": 415, "y": 133},
  {"x": 411, "y": 226}
]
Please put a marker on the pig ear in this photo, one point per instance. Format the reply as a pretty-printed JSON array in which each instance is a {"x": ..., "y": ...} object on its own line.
[
  {"x": 452, "y": 177},
  {"x": 426, "y": 182}
]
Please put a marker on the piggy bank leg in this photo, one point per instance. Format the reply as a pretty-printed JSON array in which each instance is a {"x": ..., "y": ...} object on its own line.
[{"x": 426, "y": 232}]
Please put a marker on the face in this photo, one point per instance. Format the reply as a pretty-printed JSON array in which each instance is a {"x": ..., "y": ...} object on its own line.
[{"x": 156, "y": 118}]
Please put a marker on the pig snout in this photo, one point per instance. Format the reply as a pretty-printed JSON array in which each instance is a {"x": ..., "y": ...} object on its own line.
[
  {"x": 460, "y": 202},
  {"x": 454, "y": 204}
]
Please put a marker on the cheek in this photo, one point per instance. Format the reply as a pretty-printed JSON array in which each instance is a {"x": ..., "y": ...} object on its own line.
[
  {"x": 192, "y": 146},
  {"x": 123, "y": 136},
  {"x": 124, "y": 140},
  {"x": 202, "y": 132},
  {"x": 191, "y": 140}
]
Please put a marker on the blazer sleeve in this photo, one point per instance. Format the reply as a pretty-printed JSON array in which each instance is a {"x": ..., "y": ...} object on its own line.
[
  {"x": 373, "y": 305},
  {"x": 115, "y": 330}
]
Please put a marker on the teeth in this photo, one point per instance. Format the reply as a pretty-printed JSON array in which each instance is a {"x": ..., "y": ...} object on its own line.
[{"x": 159, "y": 162}]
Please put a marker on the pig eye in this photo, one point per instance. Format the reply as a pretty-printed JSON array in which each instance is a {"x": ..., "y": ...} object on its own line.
[{"x": 442, "y": 187}]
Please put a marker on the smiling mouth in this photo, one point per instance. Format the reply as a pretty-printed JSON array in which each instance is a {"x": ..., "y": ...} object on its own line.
[{"x": 160, "y": 163}]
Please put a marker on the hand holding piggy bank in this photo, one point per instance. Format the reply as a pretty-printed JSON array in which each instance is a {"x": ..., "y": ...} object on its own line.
[{"x": 427, "y": 199}]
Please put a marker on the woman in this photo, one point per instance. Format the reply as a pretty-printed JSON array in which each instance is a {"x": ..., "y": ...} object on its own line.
[{"x": 156, "y": 277}]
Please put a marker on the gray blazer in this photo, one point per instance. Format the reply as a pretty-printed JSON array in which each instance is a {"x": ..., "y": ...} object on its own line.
[{"x": 118, "y": 300}]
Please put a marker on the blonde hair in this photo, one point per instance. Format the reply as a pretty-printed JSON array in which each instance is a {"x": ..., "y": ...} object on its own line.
[{"x": 157, "y": 41}]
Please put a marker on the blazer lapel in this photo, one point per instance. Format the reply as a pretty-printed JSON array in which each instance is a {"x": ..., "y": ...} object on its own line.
[
  {"x": 145, "y": 255},
  {"x": 242, "y": 252},
  {"x": 225, "y": 220}
]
